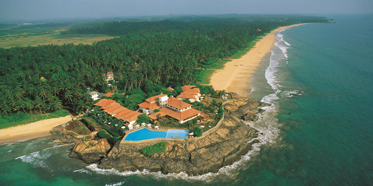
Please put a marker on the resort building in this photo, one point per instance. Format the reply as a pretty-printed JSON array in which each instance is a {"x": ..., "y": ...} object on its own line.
[
  {"x": 94, "y": 95},
  {"x": 190, "y": 92},
  {"x": 179, "y": 110},
  {"x": 114, "y": 109},
  {"x": 109, "y": 76},
  {"x": 152, "y": 103}
]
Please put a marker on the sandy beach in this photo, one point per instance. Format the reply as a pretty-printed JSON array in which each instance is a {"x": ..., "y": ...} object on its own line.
[
  {"x": 236, "y": 75},
  {"x": 32, "y": 130}
]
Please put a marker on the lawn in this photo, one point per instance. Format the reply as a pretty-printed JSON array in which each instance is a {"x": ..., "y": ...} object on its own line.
[
  {"x": 29, "y": 118},
  {"x": 41, "y": 36}
]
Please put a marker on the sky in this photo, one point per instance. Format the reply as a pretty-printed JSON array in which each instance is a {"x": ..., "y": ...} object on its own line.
[{"x": 52, "y": 9}]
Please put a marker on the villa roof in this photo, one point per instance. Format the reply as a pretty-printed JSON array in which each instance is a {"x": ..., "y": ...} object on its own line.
[
  {"x": 131, "y": 116},
  {"x": 144, "y": 105},
  {"x": 116, "y": 110},
  {"x": 189, "y": 92},
  {"x": 114, "y": 104},
  {"x": 180, "y": 115},
  {"x": 122, "y": 113},
  {"x": 153, "y": 106},
  {"x": 104, "y": 102},
  {"x": 108, "y": 94},
  {"x": 153, "y": 98},
  {"x": 148, "y": 105},
  {"x": 186, "y": 87},
  {"x": 173, "y": 102},
  {"x": 110, "y": 72},
  {"x": 112, "y": 107},
  {"x": 187, "y": 95},
  {"x": 154, "y": 115}
]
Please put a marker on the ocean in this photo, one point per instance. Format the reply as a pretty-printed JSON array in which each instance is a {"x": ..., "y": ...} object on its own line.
[{"x": 318, "y": 130}]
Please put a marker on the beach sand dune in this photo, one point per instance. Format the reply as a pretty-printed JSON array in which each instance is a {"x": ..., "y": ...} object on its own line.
[
  {"x": 32, "y": 130},
  {"x": 236, "y": 74}
]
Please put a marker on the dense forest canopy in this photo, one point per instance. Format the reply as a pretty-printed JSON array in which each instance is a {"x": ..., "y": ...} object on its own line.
[{"x": 148, "y": 53}]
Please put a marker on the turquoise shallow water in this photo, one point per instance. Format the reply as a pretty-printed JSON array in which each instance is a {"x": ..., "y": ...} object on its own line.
[{"x": 322, "y": 137}]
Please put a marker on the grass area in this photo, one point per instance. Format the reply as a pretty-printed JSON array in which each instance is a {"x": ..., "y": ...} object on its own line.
[
  {"x": 90, "y": 122},
  {"x": 149, "y": 150},
  {"x": 206, "y": 74},
  {"x": 78, "y": 127},
  {"x": 42, "y": 36},
  {"x": 29, "y": 118}
]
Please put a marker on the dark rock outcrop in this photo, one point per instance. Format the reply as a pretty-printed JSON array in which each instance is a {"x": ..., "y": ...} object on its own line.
[{"x": 90, "y": 151}]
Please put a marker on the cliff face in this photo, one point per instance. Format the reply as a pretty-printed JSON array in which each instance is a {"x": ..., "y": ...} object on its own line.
[
  {"x": 90, "y": 151},
  {"x": 195, "y": 156}
]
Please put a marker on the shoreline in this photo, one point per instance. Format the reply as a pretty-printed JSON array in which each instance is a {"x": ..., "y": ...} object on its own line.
[
  {"x": 237, "y": 73},
  {"x": 31, "y": 130}
]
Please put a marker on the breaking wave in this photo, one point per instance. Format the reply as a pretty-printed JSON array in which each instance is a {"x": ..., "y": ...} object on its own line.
[{"x": 282, "y": 44}]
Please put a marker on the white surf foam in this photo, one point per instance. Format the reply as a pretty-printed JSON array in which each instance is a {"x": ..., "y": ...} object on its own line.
[
  {"x": 281, "y": 43},
  {"x": 38, "y": 158},
  {"x": 115, "y": 184}
]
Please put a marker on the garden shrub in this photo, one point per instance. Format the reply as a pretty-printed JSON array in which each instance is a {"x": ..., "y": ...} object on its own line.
[
  {"x": 149, "y": 150},
  {"x": 111, "y": 132},
  {"x": 197, "y": 131}
]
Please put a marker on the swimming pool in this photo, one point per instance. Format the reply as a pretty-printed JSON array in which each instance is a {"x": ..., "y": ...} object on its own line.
[{"x": 145, "y": 134}]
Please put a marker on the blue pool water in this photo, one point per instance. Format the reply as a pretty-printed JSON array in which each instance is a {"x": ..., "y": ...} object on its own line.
[
  {"x": 145, "y": 134},
  {"x": 177, "y": 133}
]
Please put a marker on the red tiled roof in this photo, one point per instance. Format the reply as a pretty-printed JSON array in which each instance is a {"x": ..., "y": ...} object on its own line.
[
  {"x": 112, "y": 108},
  {"x": 152, "y": 99},
  {"x": 110, "y": 72},
  {"x": 144, "y": 105},
  {"x": 186, "y": 95},
  {"x": 110, "y": 105},
  {"x": 186, "y": 87},
  {"x": 180, "y": 115},
  {"x": 148, "y": 105},
  {"x": 122, "y": 113},
  {"x": 153, "y": 106},
  {"x": 104, "y": 102},
  {"x": 189, "y": 92},
  {"x": 131, "y": 116},
  {"x": 108, "y": 94},
  {"x": 117, "y": 110},
  {"x": 173, "y": 102},
  {"x": 154, "y": 116}
]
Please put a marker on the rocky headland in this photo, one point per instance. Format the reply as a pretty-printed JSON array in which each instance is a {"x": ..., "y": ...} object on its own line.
[{"x": 218, "y": 147}]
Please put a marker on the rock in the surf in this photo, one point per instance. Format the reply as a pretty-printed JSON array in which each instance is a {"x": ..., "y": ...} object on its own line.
[{"x": 90, "y": 151}]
